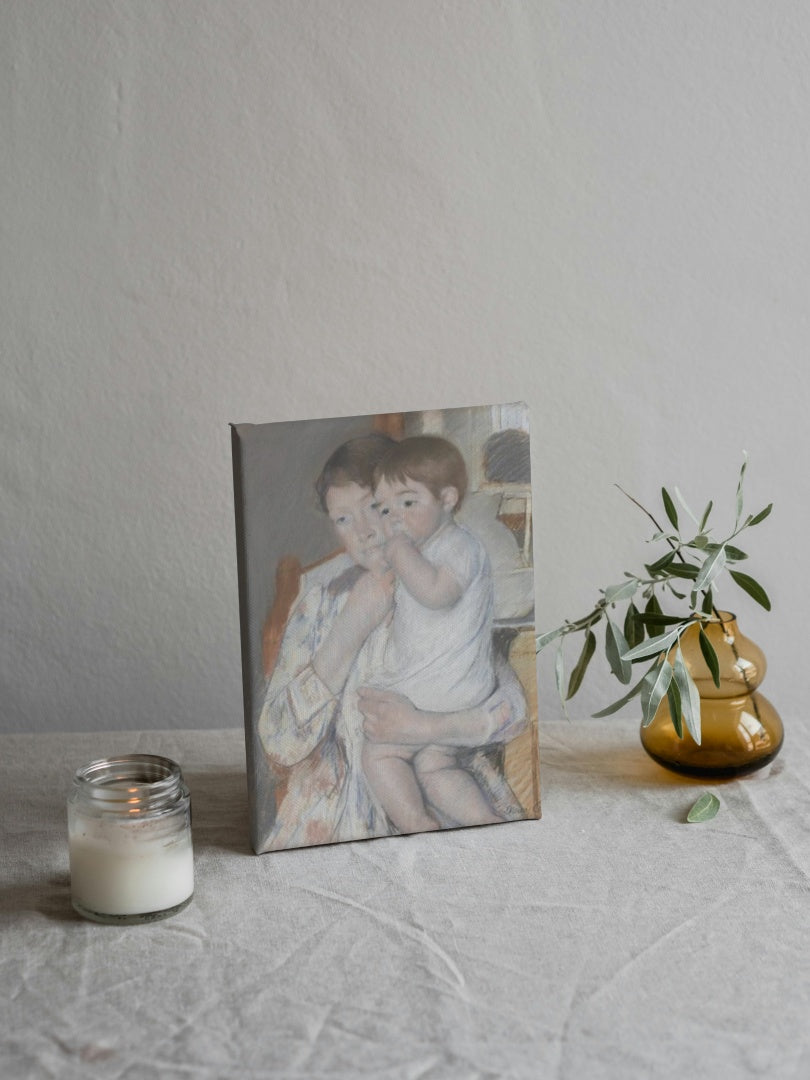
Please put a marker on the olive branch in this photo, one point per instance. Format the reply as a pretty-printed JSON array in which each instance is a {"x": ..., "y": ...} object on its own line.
[{"x": 693, "y": 563}]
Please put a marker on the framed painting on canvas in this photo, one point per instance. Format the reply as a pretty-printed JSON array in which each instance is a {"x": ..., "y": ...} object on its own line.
[{"x": 387, "y": 618}]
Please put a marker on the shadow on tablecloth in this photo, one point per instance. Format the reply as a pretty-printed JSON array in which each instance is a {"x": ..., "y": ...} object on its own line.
[
  {"x": 219, "y": 810},
  {"x": 49, "y": 897}
]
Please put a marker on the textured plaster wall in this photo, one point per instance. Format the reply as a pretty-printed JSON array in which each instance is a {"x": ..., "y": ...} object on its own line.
[{"x": 252, "y": 211}]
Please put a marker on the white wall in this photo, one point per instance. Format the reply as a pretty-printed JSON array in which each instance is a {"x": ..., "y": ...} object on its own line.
[{"x": 255, "y": 211}]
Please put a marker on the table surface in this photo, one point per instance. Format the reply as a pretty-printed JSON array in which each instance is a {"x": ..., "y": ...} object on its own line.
[{"x": 609, "y": 939}]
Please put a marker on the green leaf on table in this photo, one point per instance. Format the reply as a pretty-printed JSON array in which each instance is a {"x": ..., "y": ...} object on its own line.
[
  {"x": 615, "y": 648},
  {"x": 690, "y": 698},
  {"x": 755, "y": 520},
  {"x": 752, "y": 587},
  {"x": 674, "y": 702},
  {"x": 704, "y": 809},
  {"x": 653, "y": 687},
  {"x": 577, "y": 675},
  {"x": 669, "y": 507},
  {"x": 710, "y": 656}
]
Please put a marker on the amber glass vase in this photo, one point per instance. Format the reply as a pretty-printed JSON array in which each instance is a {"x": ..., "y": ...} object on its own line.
[{"x": 740, "y": 729}]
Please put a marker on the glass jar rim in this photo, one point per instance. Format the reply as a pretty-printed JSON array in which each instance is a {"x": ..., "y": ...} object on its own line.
[{"x": 130, "y": 783}]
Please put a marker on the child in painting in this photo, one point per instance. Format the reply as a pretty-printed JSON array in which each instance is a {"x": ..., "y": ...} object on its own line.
[{"x": 439, "y": 652}]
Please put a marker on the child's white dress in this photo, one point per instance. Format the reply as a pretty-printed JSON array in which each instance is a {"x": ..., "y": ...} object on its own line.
[{"x": 442, "y": 659}]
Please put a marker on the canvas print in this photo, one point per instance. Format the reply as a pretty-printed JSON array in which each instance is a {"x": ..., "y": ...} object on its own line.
[{"x": 387, "y": 617}]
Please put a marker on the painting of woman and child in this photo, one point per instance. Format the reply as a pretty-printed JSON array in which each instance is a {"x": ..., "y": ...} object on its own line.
[{"x": 387, "y": 611}]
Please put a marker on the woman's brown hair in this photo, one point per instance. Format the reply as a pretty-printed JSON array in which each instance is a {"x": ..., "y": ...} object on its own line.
[{"x": 354, "y": 462}]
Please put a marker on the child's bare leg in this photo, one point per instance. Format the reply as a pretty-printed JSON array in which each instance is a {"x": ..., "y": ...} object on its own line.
[
  {"x": 391, "y": 777},
  {"x": 452, "y": 790}
]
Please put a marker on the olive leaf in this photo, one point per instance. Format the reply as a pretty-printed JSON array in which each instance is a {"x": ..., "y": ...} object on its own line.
[
  {"x": 683, "y": 503},
  {"x": 711, "y": 568},
  {"x": 684, "y": 570},
  {"x": 615, "y": 593},
  {"x": 577, "y": 675},
  {"x": 674, "y": 702},
  {"x": 660, "y": 620},
  {"x": 710, "y": 656},
  {"x": 740, "y": 489},
  {"x": 660, "y": 564},
  {"x": 652, "y": 606},
  {"x": 755, "y": 520},
  {"x": 704, "y": 520},
  {"x": 633, "y": 628},
  {"x": 704, "y": 809},
  {"x": 669, "y": 507},
  {"x": 733, "y": 554},
  {"x": 654, "y": 645},
  {"x": 615, "y": 648},
  {"x": 752, "y": 587},
  {"x": 653, "y": 687},
  {"x": 690, "y": 698}
]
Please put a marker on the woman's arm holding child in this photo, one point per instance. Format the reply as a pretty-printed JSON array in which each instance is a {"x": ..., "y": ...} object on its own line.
[
  {"x": 366, "y": 606},
  {"x": 392, "y": 718}
]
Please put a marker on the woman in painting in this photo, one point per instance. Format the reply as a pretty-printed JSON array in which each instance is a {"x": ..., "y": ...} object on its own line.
[{"x": 317, "y": 712}]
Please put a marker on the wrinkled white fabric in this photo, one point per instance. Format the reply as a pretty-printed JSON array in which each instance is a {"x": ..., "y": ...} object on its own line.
[{"x": 609, "y": 939}]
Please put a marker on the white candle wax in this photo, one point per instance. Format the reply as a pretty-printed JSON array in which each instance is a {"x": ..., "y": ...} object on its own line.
[{"x": 129, "y": 868}]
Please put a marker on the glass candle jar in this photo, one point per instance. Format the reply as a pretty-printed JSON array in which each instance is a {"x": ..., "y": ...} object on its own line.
[{"x": 129, "y": 836}]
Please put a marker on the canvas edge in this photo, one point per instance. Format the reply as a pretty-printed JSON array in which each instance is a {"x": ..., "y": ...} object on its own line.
[{"x": 244, "y": 628}]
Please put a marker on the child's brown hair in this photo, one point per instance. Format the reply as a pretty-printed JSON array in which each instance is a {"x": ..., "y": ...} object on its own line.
[{"x": 428, "y": 459}]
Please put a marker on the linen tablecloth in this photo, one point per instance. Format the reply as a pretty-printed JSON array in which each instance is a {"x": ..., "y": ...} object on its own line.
[{"x": 609, "y": 939}]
